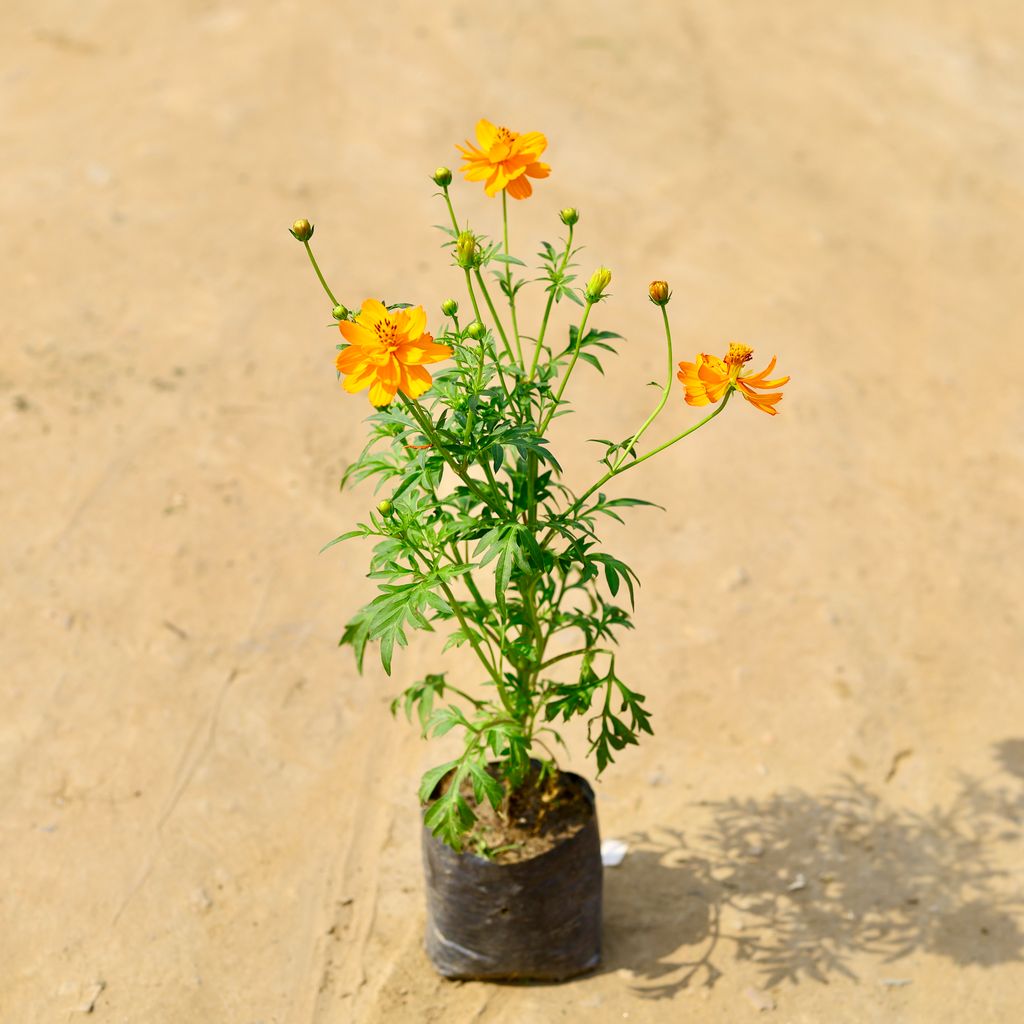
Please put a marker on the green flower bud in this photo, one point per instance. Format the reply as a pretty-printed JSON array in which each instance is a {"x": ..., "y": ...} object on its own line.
[
  {"x": 659, "y": 293},
  {"x": 385, "y": 508},
  {"x": 599, "y": 281},
  {"x": 449, "y": 307},
  {"x": 302, "y": 230},
  {"x": 466, "y": 250},
  {"x": 476, "y": 330},
  {"x": 340, "y": 312},
  {"x": 442, "y": 177},
  {"x": 569, "y": 216}
]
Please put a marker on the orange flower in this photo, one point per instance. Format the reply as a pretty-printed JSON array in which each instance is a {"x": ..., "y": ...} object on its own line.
[
  {"x": 387, "y": 351},
  {"x": 504, "y": 160},
  {"x": 710, "y": 378}
]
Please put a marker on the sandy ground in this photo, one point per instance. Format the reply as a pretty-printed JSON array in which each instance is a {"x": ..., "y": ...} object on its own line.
[{"x": 207, "y": 815}]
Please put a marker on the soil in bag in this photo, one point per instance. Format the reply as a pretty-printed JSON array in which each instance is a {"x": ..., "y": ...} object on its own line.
[{"x": 523, "y": 898}]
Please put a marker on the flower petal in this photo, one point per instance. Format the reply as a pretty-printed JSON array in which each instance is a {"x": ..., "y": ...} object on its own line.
[
  {"x": 763, "y": 402},
  {"x": 356, "y": 334},
  {"x": 520, "y": 188},
  {"x": 415, "y": 323},
  {"x": 477, "y": 171},
  {"x": 415, "y": 381},
  {"x": 382, "y": 393},
  {"x": 538, "y": 170},
  {"x": 360, "y": 378},
  {"x": 423, "y": 350},
  {"x": 373, "y": 311},
  {"x": 350, "y": 359},
  {"x": 531, "y": 142},
  {"x": 486, "y": 133}
]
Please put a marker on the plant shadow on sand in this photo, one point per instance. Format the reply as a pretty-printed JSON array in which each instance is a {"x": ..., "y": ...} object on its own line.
[{"x": 798, "y": 883}]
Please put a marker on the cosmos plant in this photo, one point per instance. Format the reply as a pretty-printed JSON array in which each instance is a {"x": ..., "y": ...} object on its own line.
[{"x": 476, "y": 533}]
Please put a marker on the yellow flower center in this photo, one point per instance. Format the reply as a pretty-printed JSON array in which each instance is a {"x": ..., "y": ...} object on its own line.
[
  {"x": 504, "y": 135},
  {"x": 738, "y": 354},
  {"x": 387, "y": 334}
]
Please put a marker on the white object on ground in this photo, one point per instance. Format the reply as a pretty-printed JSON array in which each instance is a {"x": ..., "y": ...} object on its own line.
[
  {"x": 613, "y": 852},
  {"x": 759, "y": 1000}
]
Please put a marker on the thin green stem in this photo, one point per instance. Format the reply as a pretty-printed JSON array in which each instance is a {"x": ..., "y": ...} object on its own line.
[
  {"x": 421, "y": 417},
  {"x": 472, "y": 296},
  {"x": 530, "y": 600},
  {"x": 451, "y": 212},
  {"x": 494, "y": 314},
  {"x": 547, "y": 308},
  {"x": 471, "y": 637},
  {"x": 568, "y": 372},
  {"x": 643, "y": 458},
  {"x": 667, "y": 444},
  {"x": 455, "y": 606},
  {"x": 664, "y": 395},
  {"x": 312, "y": 259},
  {"x": 508, "y": 278},
  {"x": 465, "y": 696},
  {"x": 573, "y": 654}
]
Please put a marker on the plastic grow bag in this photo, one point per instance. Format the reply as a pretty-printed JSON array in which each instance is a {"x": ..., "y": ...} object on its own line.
[{"x": 536, "y": 919}]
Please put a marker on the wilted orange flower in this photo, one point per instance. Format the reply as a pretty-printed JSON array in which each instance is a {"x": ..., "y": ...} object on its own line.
[
  {"x": 504, "y": 160},
  {"x": 386, "y": 352},
  {"x": 708, "y": 379}
]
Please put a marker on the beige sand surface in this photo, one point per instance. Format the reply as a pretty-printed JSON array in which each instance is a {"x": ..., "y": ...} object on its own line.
[{"x": 207, "y": 815}]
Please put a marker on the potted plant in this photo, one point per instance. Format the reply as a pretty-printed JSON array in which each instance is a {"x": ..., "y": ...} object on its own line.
[{"x": 477, "y": 534}]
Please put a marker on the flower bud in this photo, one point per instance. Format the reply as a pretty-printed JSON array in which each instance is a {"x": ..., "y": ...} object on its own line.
[
  {"x": 442, "y": 177},
  {"x": 569, "y": 216},
  {"x": 659, "y": 293},
  {"x": 599, "y": 280},
  {"x": 466, "y": 250},
  {"x": 385, "y": 508},
  {"x": 449, "y": 307},
  {"x": 302, "y": 230},
  {"x": 476, "y": 330},
  {"x": 340, "y": 312}
]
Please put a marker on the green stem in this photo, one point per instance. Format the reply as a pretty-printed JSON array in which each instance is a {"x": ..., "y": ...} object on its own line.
[
  {"x": 667, "y": 444},
  {"x": 552, "y": 620},
  {"x": 508, "y": 278},
  {"x": 465, "y": 696},
  {"x": 472, "y": 296},
  {"x": 643, "y": 458},
  {"x": 547, "y": 308},
  {"x": 565, "y": 380},
  {"x": 475, "y": 644},
  {"x": 451, "y": 212},
  {"x": 423, "y": 420},
  {"x": 664, "y": 396},
  {"x": 573, "y": 654},
  {"x": 494, "y": 314},
  {"x": 530, "y": 600},
  {"x": 312, "y": 259},
  {"x": 654, "y": 451},
  {"x": 456, "y": 608}
]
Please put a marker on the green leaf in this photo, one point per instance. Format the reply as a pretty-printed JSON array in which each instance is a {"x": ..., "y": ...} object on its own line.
[
  {"x": 485, "y": 785},
  {"x": 432, "y": 777},
  {"x": 449, "y": 816},
  {"x": 363, "y": 531}
]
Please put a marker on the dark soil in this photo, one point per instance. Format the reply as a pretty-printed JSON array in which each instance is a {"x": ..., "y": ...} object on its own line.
[{"x": 532, "y": 820}]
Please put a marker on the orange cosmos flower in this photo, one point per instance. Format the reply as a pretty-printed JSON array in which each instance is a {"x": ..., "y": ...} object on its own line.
[
  {"x": 504, "y": 160},
  {"x": 386, "y": 352},
  {"x": 708, "y": 379}
]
